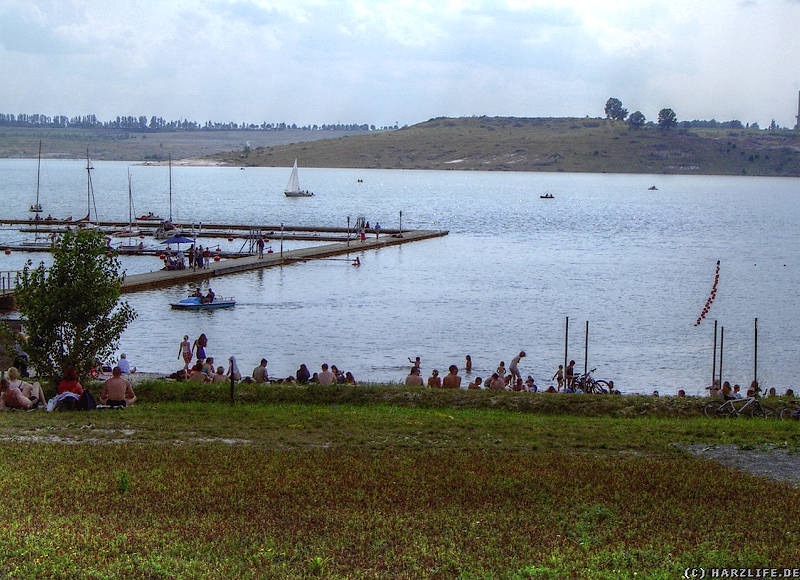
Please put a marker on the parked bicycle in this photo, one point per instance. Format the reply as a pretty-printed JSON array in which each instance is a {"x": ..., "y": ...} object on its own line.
[
  {"x": 792, "y": 411},
  {"x": 589, "y": 384},
  {"x": 747, "y": 407}
]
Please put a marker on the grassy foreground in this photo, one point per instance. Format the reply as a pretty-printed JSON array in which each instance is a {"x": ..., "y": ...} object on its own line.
[{"x": 189, "y": 489}]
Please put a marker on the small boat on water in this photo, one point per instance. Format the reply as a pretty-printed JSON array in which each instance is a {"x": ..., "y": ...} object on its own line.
[
  {"x": 547, "y": 196},
  {"x": 293, "y": 187},
  {"x": 150, "y": 217},
  {"x": 195, "y": 303},
  {"x": 652, "y": 188}
]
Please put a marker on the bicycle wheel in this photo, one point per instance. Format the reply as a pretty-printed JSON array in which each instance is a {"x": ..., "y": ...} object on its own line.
[
  {"x": 790, "y": 414},
  {"x": 601, "y": 387},
  {"x": 712, "y": 409},
  {"x": 762, "y": 411}
]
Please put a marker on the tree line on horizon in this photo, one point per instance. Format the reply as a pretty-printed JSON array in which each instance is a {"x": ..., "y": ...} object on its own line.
[
  {"x": 667, "y": 119},
  {"x": 155, "y": 124}
]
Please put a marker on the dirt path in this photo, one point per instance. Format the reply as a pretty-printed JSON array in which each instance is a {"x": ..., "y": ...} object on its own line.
[{"x": 768, "y": 461}]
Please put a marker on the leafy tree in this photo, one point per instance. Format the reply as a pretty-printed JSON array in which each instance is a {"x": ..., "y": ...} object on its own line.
[
  {"x": 72, "y": 308},
  {"x": 614, "y": 110},
  {"x": 636, "y": 119},
  {"x": 667, "y": 118}
]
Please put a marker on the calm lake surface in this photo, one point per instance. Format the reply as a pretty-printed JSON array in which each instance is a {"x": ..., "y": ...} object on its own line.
[{"x": 637, "y": 264}]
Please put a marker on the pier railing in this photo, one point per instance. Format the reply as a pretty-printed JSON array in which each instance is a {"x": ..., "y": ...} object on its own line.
[{"x": 9, "y": 280}]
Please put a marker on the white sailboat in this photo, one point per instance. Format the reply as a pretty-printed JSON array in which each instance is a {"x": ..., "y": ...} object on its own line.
[{"x": 293, "y": 187}]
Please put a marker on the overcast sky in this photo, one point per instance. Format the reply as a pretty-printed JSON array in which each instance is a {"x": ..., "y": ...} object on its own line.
[{"x": 386, "y": 61}]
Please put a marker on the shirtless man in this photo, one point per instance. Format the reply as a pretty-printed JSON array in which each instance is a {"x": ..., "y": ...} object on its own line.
[
  {"x": 413, "y": 379},
  {"x": 512, "y": 368},
  {"x": 117, "y": 392},
  {"x": 452, "y": 380}
]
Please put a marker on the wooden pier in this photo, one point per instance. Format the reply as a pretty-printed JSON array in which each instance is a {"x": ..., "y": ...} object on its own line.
[
  {"x": 149, "y": 280},
  {"x": 160, "y": 278}
]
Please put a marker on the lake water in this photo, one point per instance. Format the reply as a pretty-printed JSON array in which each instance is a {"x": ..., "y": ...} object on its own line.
[{"x": 637, "y": 264}]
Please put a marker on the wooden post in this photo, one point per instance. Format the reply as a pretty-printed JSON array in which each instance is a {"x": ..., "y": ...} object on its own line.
[
  {"x": 232, "y": 383},
  {"x": 714, "y": 357},
  {"x": 721, "y": 344},
  {"x": 401, "y": 223},
  {"x": 586, "y": 351},
  {"x": 281, "y": 240},
  {"x": 755, "y": 350},
  {"x": 348, "y": 231}
]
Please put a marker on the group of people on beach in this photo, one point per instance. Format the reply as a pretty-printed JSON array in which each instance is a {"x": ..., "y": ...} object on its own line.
[
  {"x": 16, "y": 393},
  {"x": 203, "y": 369},
  {"x": 503, "y": 379}
]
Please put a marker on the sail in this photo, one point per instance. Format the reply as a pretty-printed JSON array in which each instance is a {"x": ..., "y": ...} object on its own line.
[{"x": 294, "y": 183}]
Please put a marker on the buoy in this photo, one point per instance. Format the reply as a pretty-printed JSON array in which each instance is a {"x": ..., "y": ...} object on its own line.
[
  {"x": 8, "y": 252},
  {"x": 162, "y": 256},
  {"x": 270, "y": 251},
  {"x": 216, "y": 258},
  {"x": 230, "y": 239}
]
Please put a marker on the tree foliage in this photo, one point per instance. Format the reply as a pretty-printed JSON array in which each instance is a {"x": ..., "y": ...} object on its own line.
[
  {"x": 73, "y": 311},
  {"x": 636, "y": 119},
  {"x": 615, "y": 110},
  {"x": 667, "y": 118}
]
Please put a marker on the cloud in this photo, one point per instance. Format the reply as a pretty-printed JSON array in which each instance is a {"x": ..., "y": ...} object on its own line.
[{"x": 386, "y": 60}]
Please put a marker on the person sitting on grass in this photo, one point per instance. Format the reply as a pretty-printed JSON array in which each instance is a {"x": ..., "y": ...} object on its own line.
[
  {"x": 117, "y": 392},
  {"x": 413, "y": 379},
  {"x": 197, "y": 375},
  {"x": 30, "y": 391},
  {"x": 219, "y": 376},
  {"x": 302, "y": 375},
  {"x": 349, "y": 378},
  {"x": 325, "y": 377},
  {"x": 530, "y": 385},
  {"x": 496, "y": 382},
  {"x": 434, "y": 380},
  {"x": 260, "y": 372},
  {"x": 70, "y": 382},
  {"x": 477, "y": 385},
  {"x": 233, "y": 369},
  {"x": 12, "y": 397},
  {"x": 452, "y": 380}
]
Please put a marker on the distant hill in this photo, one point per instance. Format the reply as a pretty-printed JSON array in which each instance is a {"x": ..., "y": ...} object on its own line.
[
  {"x": 544, "y": 144},
  {"x": 130, "y": 145}
]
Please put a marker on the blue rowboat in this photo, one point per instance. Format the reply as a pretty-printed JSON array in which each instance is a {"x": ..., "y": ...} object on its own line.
[{"x": 194, "y": 303}]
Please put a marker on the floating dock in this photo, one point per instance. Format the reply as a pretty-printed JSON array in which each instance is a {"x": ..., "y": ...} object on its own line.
[
  {"x": 243, "y": 263},
  {"x": 149, "y": 280}
]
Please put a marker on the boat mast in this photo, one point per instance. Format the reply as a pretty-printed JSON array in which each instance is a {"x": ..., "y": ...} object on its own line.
[
  {"x": 38, "y": 172},
  {"x": 170, "y": 187},
  {"x": 89, "y": 190},
  {"x": 130, "y": 203}
]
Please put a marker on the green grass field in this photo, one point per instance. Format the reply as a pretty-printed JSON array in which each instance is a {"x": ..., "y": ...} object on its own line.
[{"x": 416, "y": 488}]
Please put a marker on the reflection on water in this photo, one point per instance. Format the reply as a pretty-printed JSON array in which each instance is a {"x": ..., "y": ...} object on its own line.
[{"x": 637, "y": 264}]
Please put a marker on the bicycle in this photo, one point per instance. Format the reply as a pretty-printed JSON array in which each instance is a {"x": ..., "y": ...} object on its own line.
[
  {"x": 589, "y": 384},
  {"x": 747, "y": 407},
  {"x": 792, "y": 411}
]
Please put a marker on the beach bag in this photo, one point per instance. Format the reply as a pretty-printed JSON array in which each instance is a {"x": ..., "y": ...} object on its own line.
[{"x": 86, "y": 401}]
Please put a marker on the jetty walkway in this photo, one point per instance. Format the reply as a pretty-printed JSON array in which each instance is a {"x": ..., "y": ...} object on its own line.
[{"x": 149, "y": 280}]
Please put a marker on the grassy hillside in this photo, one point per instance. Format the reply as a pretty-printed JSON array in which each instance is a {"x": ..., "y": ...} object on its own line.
[
  {"x": 546, "y": 144},
  {"x": 118, "y": 144}
]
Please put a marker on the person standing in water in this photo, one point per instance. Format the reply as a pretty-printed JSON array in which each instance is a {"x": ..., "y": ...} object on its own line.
[{"x": 185, "y": 352}]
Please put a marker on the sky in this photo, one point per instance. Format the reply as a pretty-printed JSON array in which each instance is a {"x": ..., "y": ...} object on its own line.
[{"x": 399, "y": 61}]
